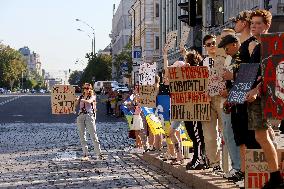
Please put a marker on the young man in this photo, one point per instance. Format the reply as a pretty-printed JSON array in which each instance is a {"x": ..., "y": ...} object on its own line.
[{"x": 260, "y": 23}]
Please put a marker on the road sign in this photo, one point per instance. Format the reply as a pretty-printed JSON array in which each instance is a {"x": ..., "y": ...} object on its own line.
[{"x": 137, "y": 52}]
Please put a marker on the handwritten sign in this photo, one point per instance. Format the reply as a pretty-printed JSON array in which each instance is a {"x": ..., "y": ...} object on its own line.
[
  {"x": 244, "y": 81},
  {"x": 147, "y": 88},
  {"x": 188, "y": 86},
  {"x": 272, "y": 62},
  {"x": 215, "y": 80},
  {"x": 256, "y": 169},
  {"x": 63, "y": 99},
  {"x": 135, "y": 69},
  {"x": 171, "y": 40},
  {"x": 184, "y": 36}
]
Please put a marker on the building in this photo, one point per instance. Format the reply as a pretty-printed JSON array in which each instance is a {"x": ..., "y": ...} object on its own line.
[
  {"x": 32, "y": 60},
  {"x": 121, "y": 32},
  {"x": 145, "y": 28},
  {"x": 106, "y": 51}
]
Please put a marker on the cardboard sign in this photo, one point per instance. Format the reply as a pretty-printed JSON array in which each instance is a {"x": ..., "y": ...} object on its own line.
[
  {"x": 147, "y": 88},
  {"x": 171, "y": 40},
  {"x": 244, "y": 81},
  {"x": 215, "y": 80},
  {"x": 63, "y": 99},
  {"x": 184, "y": 36},
  {"x": 135, "y": 70},
  {"x": 272, "y": 50},
  {"x": 188, "y": 87},
  {"x": 256, "y": 169}
]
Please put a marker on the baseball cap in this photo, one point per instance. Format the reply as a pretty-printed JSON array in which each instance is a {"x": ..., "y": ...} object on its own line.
[
  {"x": 243, "y": 15},
  {"x": 227, "y": 40}
]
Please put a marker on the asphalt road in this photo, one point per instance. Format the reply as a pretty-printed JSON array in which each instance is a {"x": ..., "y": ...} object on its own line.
[{"x": 37, "y": 109}]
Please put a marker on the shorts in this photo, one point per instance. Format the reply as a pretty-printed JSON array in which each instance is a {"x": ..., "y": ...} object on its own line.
[
  {"x": 137, "y": 123},
  {"x": 255, "y": 116},
  {"x": 175, "y": 124},
  {"x": 242, "y": 135}
]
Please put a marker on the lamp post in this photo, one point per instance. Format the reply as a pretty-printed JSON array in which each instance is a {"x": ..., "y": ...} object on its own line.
[
  {"x": 90, "y": 38},
  {"x": 94, "y": 39}
]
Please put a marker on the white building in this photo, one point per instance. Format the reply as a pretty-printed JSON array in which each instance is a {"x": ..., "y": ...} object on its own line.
[
  {"x": 121, "y": 32},
  {"x": 32, "y": 60}
]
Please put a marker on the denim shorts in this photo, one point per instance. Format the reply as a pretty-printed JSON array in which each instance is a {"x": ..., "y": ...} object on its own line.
[{"x": 175, "y": 124}]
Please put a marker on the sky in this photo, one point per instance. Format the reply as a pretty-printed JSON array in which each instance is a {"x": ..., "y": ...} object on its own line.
[{"x": 49, "y": 28}]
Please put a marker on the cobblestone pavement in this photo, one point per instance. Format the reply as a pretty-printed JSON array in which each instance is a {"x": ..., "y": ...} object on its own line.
[{"x": 48, "y": 156}]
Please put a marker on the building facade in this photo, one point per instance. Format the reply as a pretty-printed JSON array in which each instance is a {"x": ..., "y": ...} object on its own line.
[
  {"x": 121, "y": 32},
  {"x": 32, "y": 60},
  {"x": 145, "y": 28}
]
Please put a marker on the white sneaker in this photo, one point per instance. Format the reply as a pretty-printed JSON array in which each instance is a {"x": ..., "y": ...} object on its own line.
[
  {"x": 241, "y": 183},
  {"x": 231, "y": 173}
]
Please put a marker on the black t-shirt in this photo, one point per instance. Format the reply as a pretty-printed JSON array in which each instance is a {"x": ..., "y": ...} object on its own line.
[{"x": 244, "y": 52}]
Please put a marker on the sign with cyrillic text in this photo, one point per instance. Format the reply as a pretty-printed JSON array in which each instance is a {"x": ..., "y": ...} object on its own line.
[
  {"x": 63, "y": 99},
  {"x": 188, "y": 89},
  {"x": 256, "y": 168},
  {"x": 272, "y": 96},
  {"x": 244, "y": 81}
]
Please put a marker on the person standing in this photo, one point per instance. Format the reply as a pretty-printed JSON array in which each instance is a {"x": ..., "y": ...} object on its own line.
[{"x": 86, "y": 121}]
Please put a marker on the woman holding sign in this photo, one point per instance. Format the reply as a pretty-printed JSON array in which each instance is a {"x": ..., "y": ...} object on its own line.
[{"x": 86, "y": 120}]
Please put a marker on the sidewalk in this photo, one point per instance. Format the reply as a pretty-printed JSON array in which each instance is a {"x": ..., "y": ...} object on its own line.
[{"x": 198, "y": 179}]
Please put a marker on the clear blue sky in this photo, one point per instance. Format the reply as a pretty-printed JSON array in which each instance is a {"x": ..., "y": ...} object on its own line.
[{"x": 48, "y": 27}]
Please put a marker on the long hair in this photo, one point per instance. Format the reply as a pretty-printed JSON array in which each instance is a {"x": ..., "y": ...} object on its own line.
[
  {"x": 193, "y": 58},
  {"x": 91, "y": 91}
]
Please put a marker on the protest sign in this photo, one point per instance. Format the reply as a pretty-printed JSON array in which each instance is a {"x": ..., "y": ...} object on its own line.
[
  {"x": 215, "y": 80},
  {"x": 63, "y": 99},
  {"x": 171, "y": 40},
  {"x": 188, "y": 87},
  {"x": 256, "y": 168},
  {"x": 147, "y": 87},
  {"x": 272, "y": 63},
  {"x": 184, "y": 36},
  {"x": 244, "y": 81}
]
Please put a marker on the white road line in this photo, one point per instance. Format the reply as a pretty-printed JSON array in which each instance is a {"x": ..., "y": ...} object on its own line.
[{"x": 10, "y": 100}]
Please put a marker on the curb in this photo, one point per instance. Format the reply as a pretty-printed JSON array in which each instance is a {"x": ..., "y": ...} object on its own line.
[{"x": 198, "y": 179}]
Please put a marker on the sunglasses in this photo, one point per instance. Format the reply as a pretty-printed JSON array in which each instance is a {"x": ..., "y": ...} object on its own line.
[{"x": 213, "y": 43}]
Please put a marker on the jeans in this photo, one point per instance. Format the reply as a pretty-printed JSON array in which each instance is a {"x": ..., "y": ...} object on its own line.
[
  {"x": 233, "y": 149},
  {"x": 87, "y": 122}
]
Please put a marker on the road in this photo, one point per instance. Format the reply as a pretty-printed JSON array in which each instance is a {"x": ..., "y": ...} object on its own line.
[{"x": 41, "y": 150}]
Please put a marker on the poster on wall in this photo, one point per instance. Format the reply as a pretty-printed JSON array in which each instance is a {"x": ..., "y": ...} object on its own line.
[
  {"x": 188, "y": 89},
  {"x": 272, "y": 62},
  {"x": 63, "y": 99}
]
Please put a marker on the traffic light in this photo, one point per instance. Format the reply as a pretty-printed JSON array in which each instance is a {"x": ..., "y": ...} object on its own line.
[
  {"x": 267, "y": 4},
  {"x": 190, "y": 8}
]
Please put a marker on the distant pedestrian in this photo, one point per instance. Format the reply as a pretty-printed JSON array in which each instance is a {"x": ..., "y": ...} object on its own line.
[{"x": 86, "y": 120}]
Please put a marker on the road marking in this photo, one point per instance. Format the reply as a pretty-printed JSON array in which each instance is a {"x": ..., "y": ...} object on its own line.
[
  {"x": 10, "y": 100},
  {"x": 65, "y": 156},
  {"x": 17, "y": 115}
]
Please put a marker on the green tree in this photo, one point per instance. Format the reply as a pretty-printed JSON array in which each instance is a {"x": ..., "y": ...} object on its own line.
[
  {"x": 98, "y": 68},
  {"x": 11, "y": 66},
  {"x": 75, "y": 77}
]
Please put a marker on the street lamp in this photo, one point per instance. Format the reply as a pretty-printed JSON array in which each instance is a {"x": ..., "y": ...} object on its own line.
[
  {"x": 94, "y": 40},
  {"x": 89, "y": 37}
]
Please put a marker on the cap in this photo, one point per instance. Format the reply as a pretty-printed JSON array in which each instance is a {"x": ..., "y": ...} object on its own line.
[
  {"x": 227, "y": 40},
  {"x": 243, "y": 15}
]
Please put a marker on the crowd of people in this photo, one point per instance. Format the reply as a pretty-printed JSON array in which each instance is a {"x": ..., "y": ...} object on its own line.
[{"x": 241, "y": 125}]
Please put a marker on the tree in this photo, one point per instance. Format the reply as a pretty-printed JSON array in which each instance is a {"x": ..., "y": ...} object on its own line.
[
  {"x": 11, "y": 66},
  {"x": 75, "y": 77},
  {"x": 98, "y": 68}
]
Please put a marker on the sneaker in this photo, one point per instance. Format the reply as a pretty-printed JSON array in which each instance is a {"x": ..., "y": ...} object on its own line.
[
  {"x": 273, "y": 185},
  {"x": 241, "y": 184},
  {"x": 85, "y": 158},
  {"x": 217, "y": 168},
  {"x": 231, "y": 173},
  {"x": 238, "y": 176},
  {"x": 196, "y": 166}
]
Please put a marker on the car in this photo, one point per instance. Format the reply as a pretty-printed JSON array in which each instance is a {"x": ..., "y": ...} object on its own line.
[
  {"x": 121, "y": 88},
  {"x": 99, "y": 85},
  {"x": 2, "y": 91},
  {"x": 33, "y": 91}
]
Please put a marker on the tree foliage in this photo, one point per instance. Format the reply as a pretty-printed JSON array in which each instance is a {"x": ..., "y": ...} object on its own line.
[
  {"x": 98, "y": 68},
  {"x": 11, "y": 66},
  {"x": 75, "y": 77}
]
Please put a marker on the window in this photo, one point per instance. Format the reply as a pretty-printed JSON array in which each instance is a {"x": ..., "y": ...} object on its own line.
[
  {"x": 157, "y": 43},
  {"x": 157, "y": 10}
]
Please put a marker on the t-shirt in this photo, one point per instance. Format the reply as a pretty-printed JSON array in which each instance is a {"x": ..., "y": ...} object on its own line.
[
  {"x": 87, "y": 107},
  {"x": 244, "y": 50}
]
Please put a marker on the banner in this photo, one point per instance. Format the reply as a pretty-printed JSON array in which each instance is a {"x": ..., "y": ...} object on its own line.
[
  {"x": 256, "y": 169},
  {"x": 244, "y": 81},
  {"x": 147, "y": 87},
  {"x": 128, "y": 113},
  {"x": 188, "y": 87},
  {"x": 163, "y": 112},
  {"x": 272, "y": 96},
  {"x": 63, "y": 99},
  {"x": 153, "y": 121}
]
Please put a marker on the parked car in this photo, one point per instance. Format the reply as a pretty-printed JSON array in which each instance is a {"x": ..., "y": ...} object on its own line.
[
  {"x": 121, "y": 88},
  {"x": 2, "y": 91},
  {"x": 99, "y": 85}
]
